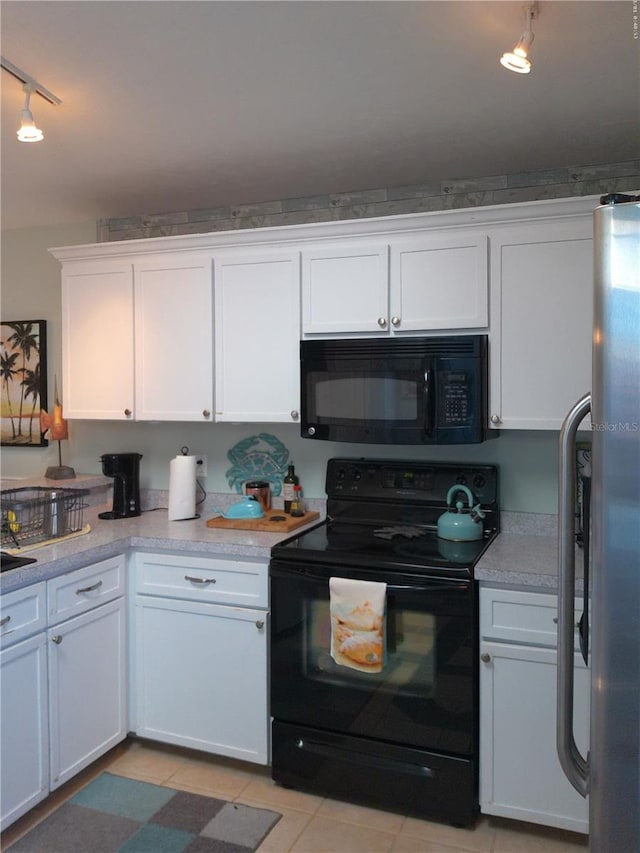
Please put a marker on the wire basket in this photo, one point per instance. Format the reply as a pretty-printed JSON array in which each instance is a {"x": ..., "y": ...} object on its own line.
[{"x": 37, "y": 514}]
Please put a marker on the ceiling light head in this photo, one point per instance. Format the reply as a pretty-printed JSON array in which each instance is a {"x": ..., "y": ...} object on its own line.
[
  {"x": 518, "y": 59},
  {"x": 28, "y": 131}
]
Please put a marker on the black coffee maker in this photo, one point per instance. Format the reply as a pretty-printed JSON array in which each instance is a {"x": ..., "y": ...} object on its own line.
[{"x": 125, "y": 469}]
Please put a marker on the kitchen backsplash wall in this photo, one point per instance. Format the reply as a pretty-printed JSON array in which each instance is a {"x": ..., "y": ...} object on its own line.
[
  {"x": 31, "y": 290},
  {"x": 527, "y": 460}
]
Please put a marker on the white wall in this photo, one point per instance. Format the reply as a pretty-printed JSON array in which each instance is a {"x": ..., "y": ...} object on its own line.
[{"x": 31, "y": 290}]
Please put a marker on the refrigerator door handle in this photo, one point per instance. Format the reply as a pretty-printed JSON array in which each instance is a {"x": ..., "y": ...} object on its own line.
[{"x": 575, "y": 766}]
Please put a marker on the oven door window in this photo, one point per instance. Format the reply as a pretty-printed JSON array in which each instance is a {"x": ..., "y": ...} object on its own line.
[{"x": 424, "y": 695}]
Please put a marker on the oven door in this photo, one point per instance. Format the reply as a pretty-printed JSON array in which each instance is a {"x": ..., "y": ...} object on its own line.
[{"x": 426, "y": 694}]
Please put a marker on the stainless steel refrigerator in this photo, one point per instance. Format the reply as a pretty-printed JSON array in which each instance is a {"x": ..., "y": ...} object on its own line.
[{"x": 610, "y": 774}]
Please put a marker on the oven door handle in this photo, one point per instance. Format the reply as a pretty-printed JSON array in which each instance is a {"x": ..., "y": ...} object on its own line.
[{"x": 378, "y": 762}]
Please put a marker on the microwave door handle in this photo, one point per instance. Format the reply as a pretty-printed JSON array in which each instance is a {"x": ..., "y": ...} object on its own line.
[{"x": 428, "y": 395}]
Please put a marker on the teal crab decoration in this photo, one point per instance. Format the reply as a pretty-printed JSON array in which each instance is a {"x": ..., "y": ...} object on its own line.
[{"x": 259, "y": 457}]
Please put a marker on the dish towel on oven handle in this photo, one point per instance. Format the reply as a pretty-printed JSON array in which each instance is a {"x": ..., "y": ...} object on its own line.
[{"x": 357, "y": 611}]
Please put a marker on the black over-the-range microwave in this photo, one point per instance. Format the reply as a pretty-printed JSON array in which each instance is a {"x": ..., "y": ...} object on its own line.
[{"x": 429, "y": 390}]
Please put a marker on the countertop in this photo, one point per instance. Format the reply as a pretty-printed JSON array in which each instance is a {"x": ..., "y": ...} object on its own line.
[
  {"x": 520, "y": 559},
  {"x": 525, "y": 560},
  {"x": 150, "y": 531}
]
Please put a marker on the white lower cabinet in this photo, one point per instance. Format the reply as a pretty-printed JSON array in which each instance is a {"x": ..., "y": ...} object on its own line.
[
  {"x": 200, "y": 660},
  {"x": 520, "y": 773},
  {"x": 87, "y": 687},
  {"x": 24, "y": 761},
  {"x": 63, "y": 688}
]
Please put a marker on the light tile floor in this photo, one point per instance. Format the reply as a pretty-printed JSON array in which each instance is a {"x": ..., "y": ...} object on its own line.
[{"x": 309, "y": 824}]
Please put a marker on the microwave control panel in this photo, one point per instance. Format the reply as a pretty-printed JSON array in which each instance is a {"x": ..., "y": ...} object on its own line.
[{"x": 454, "y": 397}]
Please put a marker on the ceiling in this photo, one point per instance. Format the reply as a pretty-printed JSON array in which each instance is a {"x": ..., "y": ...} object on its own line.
[{"x": 168, "y": 106}]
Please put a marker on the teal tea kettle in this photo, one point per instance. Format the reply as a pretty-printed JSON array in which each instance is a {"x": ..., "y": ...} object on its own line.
[{"x": 460, "y": 524}]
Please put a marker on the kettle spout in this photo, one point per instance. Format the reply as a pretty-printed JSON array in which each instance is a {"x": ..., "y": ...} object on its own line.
[{"x": 477, "y": 513}]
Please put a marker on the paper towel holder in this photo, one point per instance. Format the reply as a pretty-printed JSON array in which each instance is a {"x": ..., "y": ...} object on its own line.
[{"x": 182, "y": 506}]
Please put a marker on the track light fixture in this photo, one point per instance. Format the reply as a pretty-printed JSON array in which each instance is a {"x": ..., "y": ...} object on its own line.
[
  {"x": 28, "y": 131},
  {"x": 518, "y": 59}
]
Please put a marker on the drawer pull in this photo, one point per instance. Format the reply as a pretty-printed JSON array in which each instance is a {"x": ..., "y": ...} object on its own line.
[
  {"x": 259, "y": 623},
  {"x": 91, "y": 588},
  {"x": 57, "y": 639},
  {"x": 4, "y": 620},
  {"x": 199, "y": 580},
  {"x": 485, "y": 658}
]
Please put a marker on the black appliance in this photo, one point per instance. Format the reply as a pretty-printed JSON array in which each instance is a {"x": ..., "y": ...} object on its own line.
[
  {"x": 405, "y": 738},
  {"x": 125, "y": 469},
  {"x": 395, "y": 390},
  {"x": 11, "y": 561}
]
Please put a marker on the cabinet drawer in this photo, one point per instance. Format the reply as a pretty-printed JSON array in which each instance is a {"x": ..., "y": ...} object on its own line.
[
  {"x": 79, "y": 591},
  {"x": 239, "y": 582},
  {"x": 521, "y": 617},
  {"x": 22, "y": 613}
]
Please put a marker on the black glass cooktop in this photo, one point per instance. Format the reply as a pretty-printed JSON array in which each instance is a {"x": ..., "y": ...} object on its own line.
[
  {"x": 382, "y": 514},
  {"x": 396, "y": 547}
]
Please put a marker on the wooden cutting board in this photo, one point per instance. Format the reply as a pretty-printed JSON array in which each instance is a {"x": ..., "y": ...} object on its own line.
[{"x": 273, "y": 521}]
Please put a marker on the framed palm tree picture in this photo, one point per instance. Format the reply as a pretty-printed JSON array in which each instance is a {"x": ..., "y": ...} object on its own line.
[{"x": 23, "y": 359}]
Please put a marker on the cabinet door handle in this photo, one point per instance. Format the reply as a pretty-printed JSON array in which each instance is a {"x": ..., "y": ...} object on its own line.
[
  {"x": 199, "y": 580},
  {"x": 127, "y": 413},
  {"x": 57, "y": 639},
  {"x": 91, "y": 588},
  {"x": 485, "y": 657},
  {"x": 495, "y": 419},
  {"x": 4, "y": 620},
  {"x": 395, "y": 321},
  {"x": 382, "y": 322},
  {"x": 206, "y": 413},
  {"x": 294, "y": 415},
  {"x": 259, "y": 623}
]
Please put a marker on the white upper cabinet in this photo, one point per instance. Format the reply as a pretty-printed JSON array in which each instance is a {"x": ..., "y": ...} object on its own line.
[
  {"x": 439, "y": 283},
  {"x": 174, "y": 338},
  {"x": 541, "y": 324},
  {"x": 413, "y": 285},
  {"x": 345, "y": 289},
  {"x": 97, "y": 340},
  {"x": 257, "y": 336},
  {"x": 137, "y": 338},
  {"x": 140, "y": 332}
]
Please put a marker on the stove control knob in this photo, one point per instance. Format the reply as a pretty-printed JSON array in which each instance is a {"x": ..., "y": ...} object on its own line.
[
  {"x": 461, "y": 480},
  {"x": 479, "y": 481}
]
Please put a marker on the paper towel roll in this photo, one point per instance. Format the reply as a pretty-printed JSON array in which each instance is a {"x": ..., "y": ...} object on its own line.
[{"x": 182, "y": 487}]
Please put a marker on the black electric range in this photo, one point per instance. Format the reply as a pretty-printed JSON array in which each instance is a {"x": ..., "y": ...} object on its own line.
[
  {"x": 383, "y": 514},
  {"x": 404, "y": 737}
]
